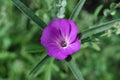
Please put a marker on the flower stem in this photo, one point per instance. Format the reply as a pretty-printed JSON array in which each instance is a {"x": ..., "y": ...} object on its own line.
[
  {"x": 75, "y": 70},
  {"x": 37, "y": 67},
  {"x": 77, "y": 9},
  {"x": 29, "y": 13}
]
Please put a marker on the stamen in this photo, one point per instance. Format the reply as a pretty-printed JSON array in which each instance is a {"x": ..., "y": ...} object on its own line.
[{"x": 63, "y": 44}]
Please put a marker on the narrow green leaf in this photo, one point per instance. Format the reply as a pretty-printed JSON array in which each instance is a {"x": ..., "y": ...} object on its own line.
[
  {"x": 29, "y": 13},
  {"x": 75, "y": 70},
  {"x": 37, "y": 67},
  {"x": 77, "y": 9},
  {"x": 97, "y": 11},
  {"x": 33, "y": 48},
  {"x": 99, "y": 28},
  {"x": 49, "y": 68}
]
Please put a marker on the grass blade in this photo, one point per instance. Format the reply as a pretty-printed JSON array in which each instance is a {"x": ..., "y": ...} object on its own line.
[
  {"x": 39, "y": 64},
  {"x": 48, "y": 72},
  {"x": 75, "y": 70},
  {"x": 29, "y": 13},
  {"x": 99, "y": 28},
  {"x": 77, "y": 9}
]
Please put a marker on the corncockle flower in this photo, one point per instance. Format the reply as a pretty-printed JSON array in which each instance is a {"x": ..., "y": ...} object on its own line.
[{"x": 60, "y": 38}]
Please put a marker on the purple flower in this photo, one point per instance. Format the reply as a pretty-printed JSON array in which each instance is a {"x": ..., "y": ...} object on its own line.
[{"x": 60, "y": 38}]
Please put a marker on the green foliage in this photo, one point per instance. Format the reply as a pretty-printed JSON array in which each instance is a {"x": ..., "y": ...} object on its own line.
[
  {"x": 42, "y": 62},
  {"x": 20, "y": 50},
  {"x": 75, "y": 70},
  {"x": 29, "y": 13},
  {"x": 77, "y": 9}
]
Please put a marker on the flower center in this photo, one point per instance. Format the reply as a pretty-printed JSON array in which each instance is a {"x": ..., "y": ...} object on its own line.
[{"x": 63, "y": 44}]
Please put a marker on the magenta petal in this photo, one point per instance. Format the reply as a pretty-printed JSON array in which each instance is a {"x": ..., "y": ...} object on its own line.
[
  {"x": 72, "y": 48},
  {"x": 49, "y": 35},
  {"x": 62, "y": 25},
  {"x": 58, "y": 53},
  {"x": 74, "y": 31},
  {"x": 55, "y": 52}
]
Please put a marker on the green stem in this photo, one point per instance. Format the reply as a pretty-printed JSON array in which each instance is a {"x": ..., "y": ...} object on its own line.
[
  {"x": 77, "y": 9},
  {"x": 75, "y": 70},
  {"x": 99, "y": 28},
  {"x": 37, "y": 67},
  {"x": 29, "y": 13}
]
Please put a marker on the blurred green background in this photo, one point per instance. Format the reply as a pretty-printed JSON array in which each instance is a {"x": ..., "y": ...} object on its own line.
[{"x": 20, "y": 49}]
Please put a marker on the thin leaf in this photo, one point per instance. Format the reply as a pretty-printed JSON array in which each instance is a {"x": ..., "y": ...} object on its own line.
[
  {"x": 97, "y": 11},
  {"x": 37, "y": 67},
  {"x": 33, "y": 48},
  {"x": 75, "y": 70},
  {"x": 77, "y": 9},
  {"x": 99, "y": 28},
  {"x": 48, "y": 71},
  {"x": 29, "y": 13}
]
